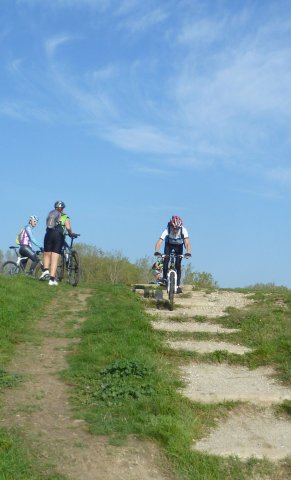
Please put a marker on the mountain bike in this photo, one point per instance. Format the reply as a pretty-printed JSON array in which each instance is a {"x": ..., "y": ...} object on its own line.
[
  {"x": 69, "y": 262},
  {"x": 171, "y": 283},
  {"x": 13, "y": 268}
]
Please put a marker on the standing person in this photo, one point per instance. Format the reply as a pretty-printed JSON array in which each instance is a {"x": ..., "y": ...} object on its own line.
[
  {"x": 26, "y": 240},
  {"x": 58, "y": 224},
  {"x": 176, "y": 237}
]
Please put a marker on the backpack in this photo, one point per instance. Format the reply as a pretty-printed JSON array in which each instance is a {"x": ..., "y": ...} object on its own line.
[
  {"x": 53, "y": 219},
  {"x": 18, "y": 236},
  {"x": 177, "y": 242}
]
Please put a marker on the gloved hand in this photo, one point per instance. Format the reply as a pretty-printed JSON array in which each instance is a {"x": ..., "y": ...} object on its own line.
[
  {"x": 188, "y": 255},
  {"x": 73, "y": 235},
  {"x": 157, "y": 254}
]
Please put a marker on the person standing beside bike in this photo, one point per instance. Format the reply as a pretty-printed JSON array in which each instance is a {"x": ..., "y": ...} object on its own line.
[
  {"x": 175, "y": 237},
  {"x": 58, "y": 224},
  {"x": 26, "y": 240}
]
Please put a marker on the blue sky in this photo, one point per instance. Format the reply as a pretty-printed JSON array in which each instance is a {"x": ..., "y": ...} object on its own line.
[{"x": 132, "y": 111}]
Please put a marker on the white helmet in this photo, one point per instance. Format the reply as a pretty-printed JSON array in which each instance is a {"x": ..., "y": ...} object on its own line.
[{"x": 33, "y": 218}]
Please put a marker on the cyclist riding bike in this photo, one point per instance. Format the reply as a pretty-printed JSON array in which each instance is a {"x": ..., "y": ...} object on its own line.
[
  {"x": 58, "y": 224},
  {"x": 175, "y": 237},
  {"x": 26, "y": 240}
]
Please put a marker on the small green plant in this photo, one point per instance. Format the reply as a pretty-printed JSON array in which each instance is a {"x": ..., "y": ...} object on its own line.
[
  {"x": 122, "y": 379},
  {"x": 284, "y": 407},
  {"x": 125, "y": 368},
  {"x": 9, "y": 379}
]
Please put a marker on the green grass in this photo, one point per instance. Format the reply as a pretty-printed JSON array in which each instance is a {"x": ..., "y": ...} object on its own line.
[
  {"x": 22, "y": 301},
  {"x": 16, "y": 461},
  {"x": 125, "y": 382}
]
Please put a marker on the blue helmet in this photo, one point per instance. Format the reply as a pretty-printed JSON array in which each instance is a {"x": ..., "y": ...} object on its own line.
[{"x": 59, "y": 204}]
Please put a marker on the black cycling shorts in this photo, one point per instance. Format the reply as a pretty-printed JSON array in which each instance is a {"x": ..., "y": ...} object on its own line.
[{"x": 53, "y": 241}]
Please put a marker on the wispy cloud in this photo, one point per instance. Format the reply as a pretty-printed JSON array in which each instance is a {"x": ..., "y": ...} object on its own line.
[
  {"x": 279, "y": 174},
  {"x": 153, "y": 170},
  {"x": 105, "y": 73},
  {"x": 53, "y": 43},
  {"x": 227, "y": 103},
  {"x": 143, "y": 139},
  {"x": 143, "y": 21},
  {"x": 100, "y": 4},
  {"x": 259, "y": 192},
  {"x": 201, "y": 31},
  {"x": 24, "y": 111}
]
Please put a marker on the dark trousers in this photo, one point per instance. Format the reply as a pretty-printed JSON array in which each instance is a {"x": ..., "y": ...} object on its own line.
[
  {"x": 26, "y": 251},
  {"x": 179, "y": 251}
]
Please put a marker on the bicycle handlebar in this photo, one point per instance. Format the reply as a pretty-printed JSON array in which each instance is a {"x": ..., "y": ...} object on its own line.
[{"x": 172, "y": 254}]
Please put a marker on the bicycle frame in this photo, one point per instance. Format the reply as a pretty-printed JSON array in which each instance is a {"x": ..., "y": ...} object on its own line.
[
  {"x": 20, "y": 260},
  {"x": 172, "y": 269}
]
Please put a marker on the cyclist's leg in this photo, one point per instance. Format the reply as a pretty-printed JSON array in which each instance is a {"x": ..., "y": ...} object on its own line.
[
  {"x": 58, "y": 240},
  {"x": 178, "y": 251},
  {"x": 25, "y": 251},
  {"x": 47, "y": 243},
  {"x": 54, "y": 264},
  {"x": 167, "y": 251}
]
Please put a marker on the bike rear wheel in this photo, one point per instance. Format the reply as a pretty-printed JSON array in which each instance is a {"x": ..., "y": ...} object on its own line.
[
  {"x": 9, "y": 268},
  {"x": 171, "y": 290},
  {"x": 74, "y": 269}
]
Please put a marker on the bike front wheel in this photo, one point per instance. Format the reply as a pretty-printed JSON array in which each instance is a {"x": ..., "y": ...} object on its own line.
[
  {"x": 171, "y": 290},
  {"x": 9, "y": 268},
  {"x": 74, "y": 269}
]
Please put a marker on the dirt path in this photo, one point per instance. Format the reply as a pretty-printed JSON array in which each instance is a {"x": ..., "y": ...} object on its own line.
[
  {"x": 40, "y": 408},
  {"x": 252, "y": 429}
]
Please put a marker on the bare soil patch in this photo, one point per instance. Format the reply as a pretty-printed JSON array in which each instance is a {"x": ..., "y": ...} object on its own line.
[
  {"x": 207, "y": 304},
  {"x": 249, "y": 428},
  {"x": 215, "y": 383},
  {"x": 207, "y": 346},
  {"x": 40, "y": 408},
  {"x": 172, "y": 326}
]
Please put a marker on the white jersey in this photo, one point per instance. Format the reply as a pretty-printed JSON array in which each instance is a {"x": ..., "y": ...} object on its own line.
[{"x": 175, "y": 239}]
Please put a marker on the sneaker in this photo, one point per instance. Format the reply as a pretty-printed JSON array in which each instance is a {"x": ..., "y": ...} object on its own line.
[
  {"x": 179, "y": 290},
  {"x": 53, "y": 282},
  {"x": 163, "y": 281},
  {"x": 45, "y": 274}
]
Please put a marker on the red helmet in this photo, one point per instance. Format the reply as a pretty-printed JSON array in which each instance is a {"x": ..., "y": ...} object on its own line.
[{"x": 176, "y": 222}]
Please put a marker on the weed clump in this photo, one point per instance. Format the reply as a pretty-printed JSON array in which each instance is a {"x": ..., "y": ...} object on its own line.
[
  {"x": 122, "y": 379},
  {"x": 9, "y": 380}
]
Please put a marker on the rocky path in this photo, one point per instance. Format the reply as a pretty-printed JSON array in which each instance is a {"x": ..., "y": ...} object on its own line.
[
  {"x": 252, "y": 428},
  {"x": 40, "y": 409}
]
